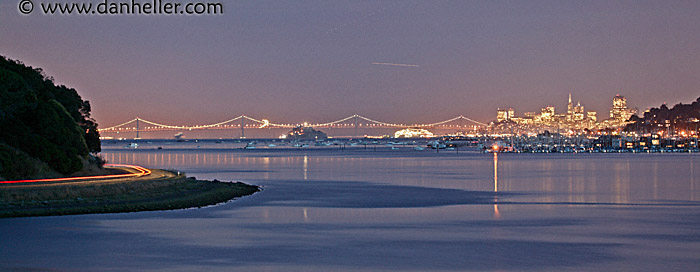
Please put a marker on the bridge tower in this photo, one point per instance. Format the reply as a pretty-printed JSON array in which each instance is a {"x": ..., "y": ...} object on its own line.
[
  {"x": 242, "y": 126},
  {"x": 137, "y": 129},
  {"x": 356, "y": 120}
]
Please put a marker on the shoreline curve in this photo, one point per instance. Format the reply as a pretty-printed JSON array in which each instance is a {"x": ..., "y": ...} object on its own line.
[{"x": 133, "y": 192}]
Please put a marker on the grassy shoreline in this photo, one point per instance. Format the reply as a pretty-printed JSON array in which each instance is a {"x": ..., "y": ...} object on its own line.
[{"x": 169, "y": 192}]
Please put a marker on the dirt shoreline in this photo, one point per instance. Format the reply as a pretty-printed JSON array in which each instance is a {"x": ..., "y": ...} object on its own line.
[{"x": 163, "y": 190}]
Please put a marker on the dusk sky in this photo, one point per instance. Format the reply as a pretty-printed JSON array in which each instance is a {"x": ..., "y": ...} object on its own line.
[{"x": 291, "y": 61}]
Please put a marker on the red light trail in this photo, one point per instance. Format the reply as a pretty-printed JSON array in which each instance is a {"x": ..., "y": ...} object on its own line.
[{"x": 141, "y": 172}]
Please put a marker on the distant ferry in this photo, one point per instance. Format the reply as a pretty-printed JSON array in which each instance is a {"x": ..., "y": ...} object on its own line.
[{"x": 250, "y": 145}]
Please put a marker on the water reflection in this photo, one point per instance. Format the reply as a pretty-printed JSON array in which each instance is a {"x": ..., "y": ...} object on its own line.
[
  {"x": 306, "y": 167},
  {"x": 495, "y": 172},
  {"x": 692, "y": 180},
  {"x": 496, "y": 213},
  {"x": 553, "y": 178}
]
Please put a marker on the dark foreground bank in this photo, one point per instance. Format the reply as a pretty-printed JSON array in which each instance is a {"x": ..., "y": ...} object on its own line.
[{"x": 168, "y": 192}]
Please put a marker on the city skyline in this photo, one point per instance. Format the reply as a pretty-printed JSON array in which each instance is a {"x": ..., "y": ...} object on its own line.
[
  {"x": 390, "y": 60},
  {"x": 576, "y": 115},
  {"x": 502, "y": 114}
]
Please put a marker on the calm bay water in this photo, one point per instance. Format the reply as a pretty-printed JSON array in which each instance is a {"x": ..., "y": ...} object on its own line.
[{"x": 332, "y": 210}]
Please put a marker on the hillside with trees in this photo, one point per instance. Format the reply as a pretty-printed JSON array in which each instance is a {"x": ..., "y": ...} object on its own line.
[
  {"x": 45, "y": 129},
  {"x": 681, "y": 118}
]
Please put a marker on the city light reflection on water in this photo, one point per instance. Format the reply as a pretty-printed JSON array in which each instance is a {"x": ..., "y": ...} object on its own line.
[
  {"x": 496, "y": 213},
  {"x": 586, "y": 178}
]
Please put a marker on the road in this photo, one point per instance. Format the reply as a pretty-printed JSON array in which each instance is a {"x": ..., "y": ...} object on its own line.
[{"x": 131, "y": 173}]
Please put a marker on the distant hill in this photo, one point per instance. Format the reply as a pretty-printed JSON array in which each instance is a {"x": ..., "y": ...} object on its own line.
[
  {"x": 680, "y": 118},
  {"x": 45, "y": 130},
  {"x": 306, "y": 133}
]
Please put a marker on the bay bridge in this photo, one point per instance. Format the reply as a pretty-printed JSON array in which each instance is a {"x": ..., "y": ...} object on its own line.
[{"x": 244, "y": 122}]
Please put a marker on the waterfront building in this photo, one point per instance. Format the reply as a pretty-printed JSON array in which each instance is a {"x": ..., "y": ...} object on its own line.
[{"x": 413, "y": 133}]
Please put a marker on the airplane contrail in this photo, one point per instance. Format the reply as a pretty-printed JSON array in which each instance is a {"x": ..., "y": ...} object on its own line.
[{"x": 396, "y": 64}]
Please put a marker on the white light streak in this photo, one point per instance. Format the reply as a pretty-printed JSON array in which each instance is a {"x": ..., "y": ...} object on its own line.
[{"x": 396, "y": 64}]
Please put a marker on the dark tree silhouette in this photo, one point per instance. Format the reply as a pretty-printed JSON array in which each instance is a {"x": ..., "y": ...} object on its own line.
[
  {"x": 682, "y": 117},
  {"x": 42, "y": 122}
]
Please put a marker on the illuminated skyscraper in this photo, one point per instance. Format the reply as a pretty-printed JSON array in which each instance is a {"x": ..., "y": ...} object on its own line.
[
  {"x": 547, "y": 114},
  {"x": 570, "y": 110},
  {"x": 505, "y": 115},
  {"x": 591, "y": 115},
  {"x": 579, "y": 113},
  {"x": 619, "y": 111}
]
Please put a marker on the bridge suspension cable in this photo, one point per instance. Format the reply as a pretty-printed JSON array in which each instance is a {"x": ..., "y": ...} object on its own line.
[
  {"x": 266, "y": 123},
  {"x": 120, "y": 125},
  {"x": 337, "y": 121}
]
